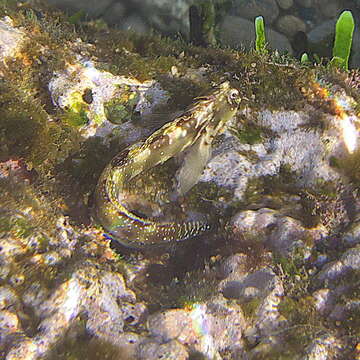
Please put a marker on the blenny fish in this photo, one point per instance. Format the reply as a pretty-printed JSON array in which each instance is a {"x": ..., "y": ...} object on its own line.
[{"x": 190, "y": 134}]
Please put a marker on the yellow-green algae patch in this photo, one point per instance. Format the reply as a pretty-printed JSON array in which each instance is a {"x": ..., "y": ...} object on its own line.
[
  {"x": 121, "y": 107},
  {"x": 26, "y": 132},
  {"x": 76, "y": 114},
  {"x": 27, "y": 223}
]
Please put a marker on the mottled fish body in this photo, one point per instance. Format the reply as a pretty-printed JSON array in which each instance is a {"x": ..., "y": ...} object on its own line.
[{"x": 191, "y": 133}]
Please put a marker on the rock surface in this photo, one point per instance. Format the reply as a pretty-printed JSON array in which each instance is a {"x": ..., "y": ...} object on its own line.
[
  {"x": 238, "y": 32},
  {"x": 251, "y": 9}
]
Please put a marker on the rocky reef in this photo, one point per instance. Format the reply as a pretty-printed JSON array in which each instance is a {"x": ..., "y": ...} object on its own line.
[
  {"x": 292, "y": 26},
  {"x": 277, "y": 277}
]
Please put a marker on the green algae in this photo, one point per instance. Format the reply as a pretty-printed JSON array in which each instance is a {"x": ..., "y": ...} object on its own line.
[
  {"x": 260, "y": 41},
  {"x": 304, "y": 59},
  {"x": 350, "y": 166},
  {"x": 85, "y": 165},
  {"x": 25, "y": 271},
  {"x": 248, "y": 134},
  {"x": 25, "y": 129},
  {"x": 293, "y": 267},
  {"x": 278, "y": 187},
  {"x": 317, "y": 204},
  {"x": 183, "y": 291},
  {"x": 203, "y": 193},
  {"x": 82, "y": 346},
  {"x": 349, "y": 299},
  {"x": 17, "y": 225},
  {"x": 75, "y": 119},
  {"x": 26, "y": 133},
  {"x": 121, "y": 108},
  {"x": 304, "y": 323},
  {"x": 192, "y": 292},
  {"x": 77, "y": 17},
  {"x": 116, "y": 112},
  {"x": 250, "y": 307},
  {"x": 343, "y": 40},
  {"x": 77, "y": 110}
]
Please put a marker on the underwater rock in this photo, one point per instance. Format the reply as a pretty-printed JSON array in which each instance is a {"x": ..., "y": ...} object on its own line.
[
  {"x": 305, "y": 3},
  {"x": 232, "y": 267},
  {"x": 8, "y": 298},
  {"x": 324, "y": 300},
  {"x": 268, "y": 9},
  {"x": 336, "y": 270},
  {"x": 114, "y": 13},
  {"x": 331, "y": 10},
  {"x": 293, "y": 144},
  {"x": 104, "y": 298},
  {"x": 259, "y": 294},
  {"x": 324, "y": 347},
  {"x": 47, "y": 291},
  {"x": 208, "y": 328},
  {"x": 25, "y": 349},
  {"x": 352, "y": 236},
  {"x": 11, "y": 38},
  {"x": 252, "y": 285},
  {"x": 129, "y": 344},
  {"x": 338, "y": 299},
  {"x": 238, "y": 32},
  {"x": 99, "y": 117},
  {"x": 285, "y": 4},
  {"x": 172, "y": 350},
  {"x": 176, "y": 18},
  {"x": 9, "y": 325},
  {"x": 290, "y": 25},
  {"x": 135, "y": 23},
  {"x": 277, "y": 232}
]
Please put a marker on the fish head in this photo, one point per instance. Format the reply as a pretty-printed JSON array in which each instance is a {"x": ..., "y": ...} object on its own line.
[{"x": 225, "y": 107}]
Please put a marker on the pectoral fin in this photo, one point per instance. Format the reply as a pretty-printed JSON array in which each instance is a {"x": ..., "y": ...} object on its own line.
[{"x": 193, "y": 165}]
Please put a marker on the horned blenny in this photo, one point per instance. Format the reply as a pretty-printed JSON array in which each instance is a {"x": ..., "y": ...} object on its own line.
[{"x": 193, "y": 131}]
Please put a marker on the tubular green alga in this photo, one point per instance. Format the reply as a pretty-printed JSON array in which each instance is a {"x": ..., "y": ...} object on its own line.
[
  {"x": 343, "y": 40},
  {"x": 304, "y": 58},
  {"x": 260, "y": 43}
]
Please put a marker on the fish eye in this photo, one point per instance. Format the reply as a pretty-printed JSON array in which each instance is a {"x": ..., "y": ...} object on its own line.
[{"x": 234, "y": 94}]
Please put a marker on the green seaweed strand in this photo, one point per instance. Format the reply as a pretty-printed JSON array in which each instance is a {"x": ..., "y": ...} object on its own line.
[
  {"x": 260, "y": 43},
  {"x": 343, "y": 40},
  {"x": 304, "y": 59}
]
